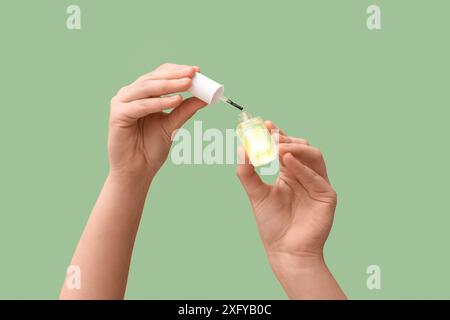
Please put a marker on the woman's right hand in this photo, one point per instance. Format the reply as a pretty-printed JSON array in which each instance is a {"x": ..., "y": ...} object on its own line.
[{"x": 139, "y": 131}]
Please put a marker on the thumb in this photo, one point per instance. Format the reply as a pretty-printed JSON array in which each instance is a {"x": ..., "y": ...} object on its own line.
[
  {"x": 256, "y": 189},
  {"x": 183, "y": 113}
]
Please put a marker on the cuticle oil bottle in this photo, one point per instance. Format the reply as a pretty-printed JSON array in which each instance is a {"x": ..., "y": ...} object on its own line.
[
  {"x": 252, "y": 132},
  {"x": 256, "y": 139}
]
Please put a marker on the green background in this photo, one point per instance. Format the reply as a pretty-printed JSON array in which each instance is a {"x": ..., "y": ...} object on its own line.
[{"x": 375, "y": 102}]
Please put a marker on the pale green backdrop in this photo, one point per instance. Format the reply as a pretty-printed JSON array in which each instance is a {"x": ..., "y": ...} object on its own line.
[{"x": 375, "y": 102}]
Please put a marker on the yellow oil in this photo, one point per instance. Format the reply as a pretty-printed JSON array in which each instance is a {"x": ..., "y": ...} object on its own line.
[{"x": 256, "y": 140}]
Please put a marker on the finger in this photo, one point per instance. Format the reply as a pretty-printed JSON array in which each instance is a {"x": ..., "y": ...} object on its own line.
[
  {"x": 183, "y": 113},
  {"x": 141, "y": 108},
  {"x": 272, "y": 127},
  {"x": 288, "y": 139},
  {"x": 176, "y": 73},
  {"x": 308, "y": 155},
  {"x": 279, "y": 138},
  {"x": 313, "y": 183},
  {"x": 255, "y": 188},
  {"x": 153, "y": 88},
  {"x": 171, "y": 66}
]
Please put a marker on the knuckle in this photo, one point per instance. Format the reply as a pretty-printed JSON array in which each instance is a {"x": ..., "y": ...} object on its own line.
[
  {"x": 187, "y": 83},
  {"x": 165, "y": 65},
  {"x": 166, "y": 85},
  {"x": 114, "y": 117},
  {"x": 138, "y": 104},
  {"x": 121, "y": 90},
  {"x": 333, "y": 196},
  {"x": 317, "y": 154},
  {"x": 144, "y": 77},
  {"x": 143, "y": 84},
  {"x": 113, "y": 101}
]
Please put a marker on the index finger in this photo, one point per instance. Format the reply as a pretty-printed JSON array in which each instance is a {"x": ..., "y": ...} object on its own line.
[{"x": 170, "y": 71}]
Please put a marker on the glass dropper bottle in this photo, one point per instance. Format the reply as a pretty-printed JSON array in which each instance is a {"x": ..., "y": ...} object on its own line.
[
  {"x": 256, "y": 139},
  {"x": 252, "y": 132}
]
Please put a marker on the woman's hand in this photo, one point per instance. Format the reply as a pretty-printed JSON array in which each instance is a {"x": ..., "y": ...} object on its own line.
[
  {"x": 139, "y": 131},
  {"x": 294, "y": 216},
  {"x": 139, "y": 141}
]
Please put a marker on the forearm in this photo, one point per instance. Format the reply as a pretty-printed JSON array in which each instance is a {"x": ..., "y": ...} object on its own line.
[
  {"x": 306, "y": 278},
  {"x": 104, "y": 251}
]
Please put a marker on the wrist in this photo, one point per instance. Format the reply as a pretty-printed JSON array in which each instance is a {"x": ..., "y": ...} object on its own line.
[
  {"x": 305, "y": 276},
  {"x": 131, "y": 180},
  {"x": 283, "y": 263}
]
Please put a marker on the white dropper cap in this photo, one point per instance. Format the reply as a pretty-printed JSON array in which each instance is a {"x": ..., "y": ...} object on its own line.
[{"x": 206, "y": 89}]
